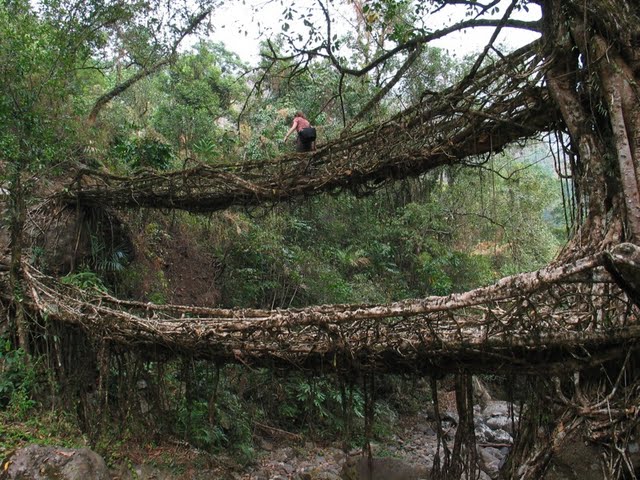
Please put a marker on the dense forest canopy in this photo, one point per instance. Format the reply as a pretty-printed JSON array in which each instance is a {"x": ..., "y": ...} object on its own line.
[{"x": 436, "y": 182}]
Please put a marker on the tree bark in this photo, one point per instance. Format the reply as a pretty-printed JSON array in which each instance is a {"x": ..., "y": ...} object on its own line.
[
  {"x": 105, "y": 98},
  {"x": 16, "y": 280},
  {"x": 593, "y": 78},
  {"x": 588, "y": 171},
  {"x": 624, "y": 112}
]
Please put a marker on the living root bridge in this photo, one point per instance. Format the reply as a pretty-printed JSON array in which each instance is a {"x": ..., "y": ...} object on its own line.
[
  {"x": 545, "y": 319},
  {"x": 484, "y": 116}
]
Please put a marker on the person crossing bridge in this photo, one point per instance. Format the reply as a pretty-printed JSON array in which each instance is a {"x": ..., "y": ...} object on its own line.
[{"x": 306, "y": 140}]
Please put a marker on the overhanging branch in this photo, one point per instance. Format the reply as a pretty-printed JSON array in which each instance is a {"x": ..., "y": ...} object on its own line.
[{"x": 145, "y": 72}]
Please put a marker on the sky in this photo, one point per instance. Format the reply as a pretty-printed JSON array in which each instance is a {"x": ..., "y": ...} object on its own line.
[{"x": 241, "y": 26}]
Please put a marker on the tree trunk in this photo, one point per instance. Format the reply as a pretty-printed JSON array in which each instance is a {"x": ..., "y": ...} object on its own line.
[
  {"x": 17, "y": 214},
  {"x": 624, "y": 111},
  {"x": 593, "y": 76}
]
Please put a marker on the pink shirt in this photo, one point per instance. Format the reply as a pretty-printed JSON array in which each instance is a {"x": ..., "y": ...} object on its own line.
[{"x": 300, "y": 123}]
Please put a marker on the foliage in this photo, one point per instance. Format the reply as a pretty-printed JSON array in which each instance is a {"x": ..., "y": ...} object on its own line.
[
  {"x": 197, "y": 96},
  {"x": 33, "y": 71},
  {"x": 320, "y": 404},
  {"x": 39, "y": 427},
  {"x": 212, "y": 415},
  {"x": 17, "y": 379},
  {"x": 422, "y": 237},
  {"x": 448, "y": 231},
  {"x": 231, "y": 430},
  {"x": 85, "y": 280},
  {"x": 144, "y": 151}
]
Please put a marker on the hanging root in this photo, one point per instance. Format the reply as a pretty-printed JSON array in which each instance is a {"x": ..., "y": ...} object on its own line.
[{"x": 583, "y": 422}]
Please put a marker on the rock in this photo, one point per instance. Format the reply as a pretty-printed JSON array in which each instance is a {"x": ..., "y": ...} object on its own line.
[
  {"x": 480, "y": 392},
  {"x": 382, "y": 468},
  {"x": 500, "y": 423},
  {"x": 317, "y": 475},
  {"x": 37, "y": 462},
  {"x": 422, "y": 426},
  {"x": 450, "y": 416},
  {"x": 284, "y": 454},
  {"x": 142, "y": 472},
  {"x": 488, "y": 460},
  {"x": 484, "y": 476},
  {"x": 491, "y": 460},
  {"x": 495, "y": 452},
  {"x": 265, "y": 444},
  {"x": 574, "y": 458},
  {"x": 483, "y": 433},
  {"x": 289, "y": 453},
  {"x": 337, "y": 455},
  {"x": 429, "y": 432},
  {"x": 499, "y": 436},
  {"x": 497, "y": 408},
  {"x": 430, "y": 412}
]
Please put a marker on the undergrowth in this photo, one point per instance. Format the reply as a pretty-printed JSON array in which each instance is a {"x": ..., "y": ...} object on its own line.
[{"x": 190, "y": 405}]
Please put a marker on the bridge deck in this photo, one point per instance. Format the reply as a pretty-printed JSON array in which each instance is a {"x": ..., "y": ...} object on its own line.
[
  {"x": 483, "y": 117},
  {"x": 572, "y": 313}
]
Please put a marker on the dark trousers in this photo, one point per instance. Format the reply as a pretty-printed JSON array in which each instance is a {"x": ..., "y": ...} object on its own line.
[{"x": 303, "y": 145}]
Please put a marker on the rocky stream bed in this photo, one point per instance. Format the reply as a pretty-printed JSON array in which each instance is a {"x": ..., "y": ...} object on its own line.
[{"x": 408, "y": 455}]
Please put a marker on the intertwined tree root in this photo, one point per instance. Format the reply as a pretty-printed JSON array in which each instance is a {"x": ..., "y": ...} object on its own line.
[
  {"x": 503, "y": 105},
  {"x": 523, "y": 323}
]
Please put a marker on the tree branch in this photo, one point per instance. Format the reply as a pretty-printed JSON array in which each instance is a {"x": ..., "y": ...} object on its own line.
[
  {"x": 105, "y": 98},
  {"x": 376, "y": 98},
  {"x": 420, "y": 40},
  {"x": 488, "y": 46},
  {"x": 122, "y": 87}
]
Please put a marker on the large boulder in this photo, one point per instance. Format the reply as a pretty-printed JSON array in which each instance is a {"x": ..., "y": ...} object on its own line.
[
  {"x": 575, "y": 460},
  {"x": 36, "y": 462},
  {"x": 578, "y": 458},
  {"x": 382, "y": 468},
  {"x": 498, "y": 408}
]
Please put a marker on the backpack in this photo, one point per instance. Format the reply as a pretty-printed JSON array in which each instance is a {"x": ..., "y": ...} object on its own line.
[{"x": 307, "y": 134}]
